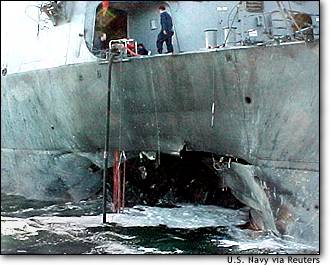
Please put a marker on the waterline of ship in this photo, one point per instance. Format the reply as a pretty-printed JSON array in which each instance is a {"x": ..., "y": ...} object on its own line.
[{"x": 32, "y": 227}]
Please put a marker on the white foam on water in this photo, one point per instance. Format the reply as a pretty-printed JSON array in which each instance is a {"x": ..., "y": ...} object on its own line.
[
  {"x": 262, "y": 242},
  {"x": 74, "y": 227},
  {"x": 157, "y": 251},
  {"x": 19, "y": 226},
  {"x": 186, "y": 217},
  {"x": 113, "y": 247}
]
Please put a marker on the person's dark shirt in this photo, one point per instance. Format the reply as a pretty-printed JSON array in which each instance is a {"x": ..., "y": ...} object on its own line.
[
  {"x": 166, "y": 22},
  {"x": 100, "y": 45},
  {"x": 142, "y": 50}
]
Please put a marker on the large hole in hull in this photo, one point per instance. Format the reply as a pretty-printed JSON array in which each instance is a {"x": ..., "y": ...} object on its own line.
[
  {"x": 189, "y": 178},
  {"x": 195, "y": 177}
]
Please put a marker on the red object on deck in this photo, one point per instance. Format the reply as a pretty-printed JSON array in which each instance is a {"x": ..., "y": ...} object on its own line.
[
  {"x": 131, "y": 52},
  {"x": 130, "y": 46},
  {"x": 105, "y": 4}
]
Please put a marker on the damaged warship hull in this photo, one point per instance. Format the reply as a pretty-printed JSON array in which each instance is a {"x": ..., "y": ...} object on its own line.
[{"x": 260, "y": 104}]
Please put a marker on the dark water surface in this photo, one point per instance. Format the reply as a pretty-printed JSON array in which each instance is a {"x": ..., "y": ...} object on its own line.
[{"x": 36, "y": 227}]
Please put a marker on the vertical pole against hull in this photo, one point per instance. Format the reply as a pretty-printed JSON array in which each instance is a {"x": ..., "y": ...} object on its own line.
[{"x": 107, "y": 138}]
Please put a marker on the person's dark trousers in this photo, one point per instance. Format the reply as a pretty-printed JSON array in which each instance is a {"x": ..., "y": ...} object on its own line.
[{"x": 167, "y": 38}]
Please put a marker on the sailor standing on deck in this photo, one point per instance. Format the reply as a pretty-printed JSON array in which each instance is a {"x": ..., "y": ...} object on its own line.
[{"x": 166, "y": 33}]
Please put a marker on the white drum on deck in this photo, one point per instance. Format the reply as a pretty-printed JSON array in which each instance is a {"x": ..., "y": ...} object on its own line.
[{"x": 211, "y": 38}]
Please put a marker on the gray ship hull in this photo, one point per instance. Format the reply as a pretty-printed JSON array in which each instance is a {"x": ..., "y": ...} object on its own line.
[{"x": 260, "y": 104}]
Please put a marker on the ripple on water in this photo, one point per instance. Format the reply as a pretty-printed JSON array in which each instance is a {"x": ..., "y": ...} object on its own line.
[{"x": 34, "y": 227}]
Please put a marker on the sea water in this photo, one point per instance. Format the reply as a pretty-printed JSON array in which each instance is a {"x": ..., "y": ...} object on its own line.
[{"x": 36, "y": 227}]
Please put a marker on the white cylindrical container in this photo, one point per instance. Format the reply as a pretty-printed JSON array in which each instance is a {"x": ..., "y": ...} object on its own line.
[
  {"x": 229, "y": 35},
  {"x": 211, "y": 40}
]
